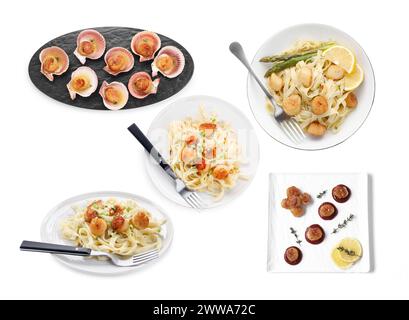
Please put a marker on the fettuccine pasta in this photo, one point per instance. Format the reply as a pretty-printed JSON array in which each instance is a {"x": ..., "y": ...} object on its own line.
[
  {"x": 205, "y": 154},
  {"x": 313, "y": 91},
  {"x": 120, "y": 227}
]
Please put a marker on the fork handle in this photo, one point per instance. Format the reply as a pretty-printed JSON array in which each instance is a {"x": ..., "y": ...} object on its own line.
[
  {"x": 153, "y": 152},
  {"x": 238, "y": 52},
  {"x": 54, "y": 248}
]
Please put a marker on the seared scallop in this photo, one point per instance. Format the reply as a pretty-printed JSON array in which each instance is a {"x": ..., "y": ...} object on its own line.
[
  {"x": 316, "y": 129},
  {"x": 170, "y": 62},
  {"x": 351, "y": 100},
  {"x": 118, "y": 60},
  {"x": 114, "y": 95},
  {"x": 315, "y": 234},
  {"x": 319, "y": 105},
  {"x": 293, "y": 256},
  {"x": 305, "y": 76},
  {"x": 145, "y": 44},
  {"x": 140, "y": 85},
  {"x": 54, "y": 61},
  {"x": 327, "y": 211},
  {"x": 292, "y": 105},
  {"x": 275, "y": 82},
  {"x": 90, "y": 45},
  {"x": 341, "y": 193},
  {"x": 335, "y": 73},
  {"x": 84, "y": 82}
]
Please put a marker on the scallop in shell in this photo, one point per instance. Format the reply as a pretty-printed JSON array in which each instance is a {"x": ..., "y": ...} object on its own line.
[
  {"x": 118, "y": 60},
  {"x": 84, "y": 82},
  {"x": 54, "y": 61},
  {"x": 115, "y": 95},
  {"x": 145, "y": 44},
  {"x": 90, "y": 44},
  {"x": 170, "y": 61},
  {"x": 140, "y": 85}
]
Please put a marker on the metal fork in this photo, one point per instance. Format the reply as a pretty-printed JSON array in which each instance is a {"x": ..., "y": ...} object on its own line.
[
  {"x": 133, "y": 261},
  {"x": 288, "y": 124},
  {"x": 191, "y": 197}
]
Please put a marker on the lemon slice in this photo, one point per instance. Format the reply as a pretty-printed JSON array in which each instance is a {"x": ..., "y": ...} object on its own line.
[
  {"x": 336, "y": 257},
  {"x": 354, "y": 79},
  {"x": 342, "y": 57},
  {"x": 350, "y": 250}
]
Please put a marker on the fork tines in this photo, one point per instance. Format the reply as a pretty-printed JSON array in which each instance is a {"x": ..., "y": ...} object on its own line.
[
  {"x": 145, "y": 257},
  {"x": 293, "y": 130},
  {"x": 194, "y": 200}
]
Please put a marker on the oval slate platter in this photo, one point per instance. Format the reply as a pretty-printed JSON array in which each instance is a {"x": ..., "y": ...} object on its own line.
[{"x": 114, "y": 37}]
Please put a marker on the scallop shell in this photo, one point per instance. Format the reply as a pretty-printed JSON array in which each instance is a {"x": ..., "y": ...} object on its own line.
[
  {"x": 122, "y": 91},
  {"x": 177, "y": 59},
  {"x": 152, "y": 42},
  {"x": 93, "y": 38},
  {"x": 152, "y": 89},
  {"x": 59, "y": 56},
  {"x": 90, "y": 78},
  {"x": 117, "y": 52}
]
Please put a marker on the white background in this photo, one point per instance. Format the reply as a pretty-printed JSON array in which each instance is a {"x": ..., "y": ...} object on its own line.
[{"x": 50, "y": 151}]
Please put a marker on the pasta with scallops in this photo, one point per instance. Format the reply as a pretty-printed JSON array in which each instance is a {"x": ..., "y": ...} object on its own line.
[
  {"x": 205, "y": 154},
  {"x": 311, "y": 88},
  {"x": 120, "y": 227}
]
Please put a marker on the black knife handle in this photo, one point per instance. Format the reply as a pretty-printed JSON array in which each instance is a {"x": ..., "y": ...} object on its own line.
[
  {"x": 54, "y": 248},
  {"x": 153, "y": 152}
]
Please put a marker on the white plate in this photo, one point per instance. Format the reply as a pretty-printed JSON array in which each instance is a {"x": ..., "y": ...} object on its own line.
[
  {"x": 50, "y": 230},
  {"x": 284, "y": 40},
  {"x": 189, "y": 107},
  {"x": 317, "y": 258}
]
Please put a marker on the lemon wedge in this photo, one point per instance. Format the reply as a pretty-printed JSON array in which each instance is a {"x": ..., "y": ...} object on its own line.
[
  {"x": 336, "y": 257},
  {"x": 354, "y": 79},
  {"x": 342, "y": 57},
  {"x": 350, "y": 250}
]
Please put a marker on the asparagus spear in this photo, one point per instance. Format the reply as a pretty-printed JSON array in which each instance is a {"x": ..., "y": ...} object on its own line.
[
  {"x": 282, "y": 65},
  {"x": 284, "y": 57}
]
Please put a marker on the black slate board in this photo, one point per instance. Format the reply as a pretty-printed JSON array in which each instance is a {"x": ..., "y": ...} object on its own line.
[{"x": 114, "y": 37}]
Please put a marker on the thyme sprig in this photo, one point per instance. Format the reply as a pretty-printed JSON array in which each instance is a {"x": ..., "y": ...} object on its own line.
[
  {"x": 350, "y": 253},
  {"x": 343, "y": 224},
  {"x": 321, "y": 194},
  {"x": 294, "y": 232}
]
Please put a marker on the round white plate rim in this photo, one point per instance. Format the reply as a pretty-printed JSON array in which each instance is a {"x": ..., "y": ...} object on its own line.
[
  {"x": 249, "y": 79},
  {"x": 148, "y": 164},
  {"x": 115, "y": 270}
]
